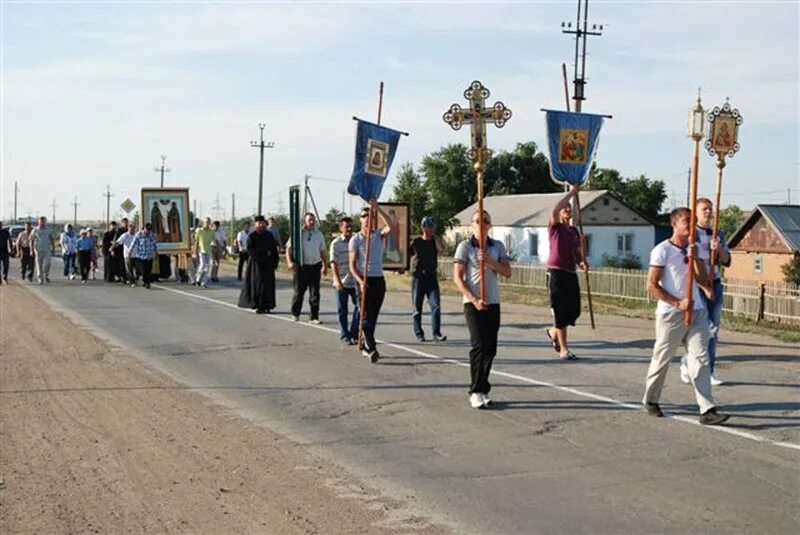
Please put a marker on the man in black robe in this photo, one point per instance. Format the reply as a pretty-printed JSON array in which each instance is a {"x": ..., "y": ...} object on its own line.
[
  {"x": 117, "y": 256},
  {"x": 258, "y": 291},
  {"x": 109, "y": 239}
]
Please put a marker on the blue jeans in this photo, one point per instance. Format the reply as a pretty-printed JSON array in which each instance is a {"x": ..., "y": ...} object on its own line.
[
  {"x": 714, "y": 318},
  {"x": 69, "y": 264},
  {"x": 342, "y": 296},
  {"x": 426, "y": 285}
]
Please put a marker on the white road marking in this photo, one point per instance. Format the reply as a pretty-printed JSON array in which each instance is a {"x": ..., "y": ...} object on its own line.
[{"x": 574, "y": 391}]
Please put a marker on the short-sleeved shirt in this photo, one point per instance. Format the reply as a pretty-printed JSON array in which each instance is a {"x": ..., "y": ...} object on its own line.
[
  {"x": 675, "y": 264},
  {"x": 126, "y": 240},
  {"x": 241, "y": 238},
  {"x": 358, "y": 245},
  {"x": 85, "y": 244},
  {"x": 340, "y": 255},
  {"x": 313, "y": 246},
  {"x": 564, "y": 244},
  {"x": 24, "y": 239},
  {"x": 69, "y": 243},
  {"x": 5, "y": 239},
  {"x": 219, "y": 237},
  {"x": 275, "y": 233},
  {"x": 204, "y": 237},
  {"x": 703, "y": 238},
  {"x": 425, "y": 255},
  {"x": 467, "y": 254},
  {"x": 43, "y": 238}
]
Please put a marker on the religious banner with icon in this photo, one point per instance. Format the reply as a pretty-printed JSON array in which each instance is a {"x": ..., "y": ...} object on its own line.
[
  {"x": 572, "y": 141},
  {"x": 375, "y": 149},
  {"x": 723, "y": 131},
  {"x": 167, "y": 210}
]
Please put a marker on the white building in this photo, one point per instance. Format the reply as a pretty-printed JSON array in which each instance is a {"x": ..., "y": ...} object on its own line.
[{"x": 520, "y": 221}]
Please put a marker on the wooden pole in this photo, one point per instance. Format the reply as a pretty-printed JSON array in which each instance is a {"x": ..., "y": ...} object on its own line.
[
  {"x": 714, "y": 255},
  {"x": 481, "y": 224},
  {"x": 583, "y": 254},
  {"x": 371, "y": 221},
  {"x": 692, "y": 228}
]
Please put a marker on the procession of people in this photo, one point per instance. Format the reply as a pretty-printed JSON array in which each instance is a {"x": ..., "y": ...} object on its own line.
[{"x": 359, "y": 285}]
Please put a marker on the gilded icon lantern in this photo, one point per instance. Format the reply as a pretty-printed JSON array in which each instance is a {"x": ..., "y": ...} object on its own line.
[{"x": 723, "y": 131}]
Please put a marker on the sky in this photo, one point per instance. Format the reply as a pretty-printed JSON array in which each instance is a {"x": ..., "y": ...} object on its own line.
[{"x": 93, "y": 93}]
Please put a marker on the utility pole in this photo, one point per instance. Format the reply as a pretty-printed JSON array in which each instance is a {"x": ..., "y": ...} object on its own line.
[
  {"x": 75, "y": 212},
  {"x": 163, "y": 169},
  {"x": 53, "y": 205},
  {"x": 261, "y": 145},
  {"x": 579, "y": 81},
  {"x": 108, "y": 196},
  {"x": 16, "y": 189},
  {"x": 233, "y": 211}
]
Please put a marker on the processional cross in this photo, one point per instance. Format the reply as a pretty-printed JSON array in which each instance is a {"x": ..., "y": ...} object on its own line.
[{"x": 477, "y": 115}]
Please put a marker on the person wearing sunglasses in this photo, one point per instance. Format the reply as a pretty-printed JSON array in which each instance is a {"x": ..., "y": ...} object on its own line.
[
  {"x": 482, "y": 315},
  {"x": 667, "y": 280}
]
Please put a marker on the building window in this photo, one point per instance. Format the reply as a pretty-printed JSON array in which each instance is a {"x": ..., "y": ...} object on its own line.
[
  {"x": 533, "y": 244},
  {"x": 624, "y": 244},
  {"x": 605, "y": 201},
  {"x": 587, "y": 238},
  {"x": 756, "y": 263},
  {"x": 507, "y": 242}
]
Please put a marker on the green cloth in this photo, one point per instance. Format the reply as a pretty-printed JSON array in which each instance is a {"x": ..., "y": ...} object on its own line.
[{"x": 204, "y": 237}]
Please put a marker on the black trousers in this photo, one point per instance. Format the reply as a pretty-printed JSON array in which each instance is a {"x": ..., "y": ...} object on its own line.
[
  {"x": 242, "y": 262},
  {"x": 26, "y": 263},
  {"x": 306, "y": 277},
  {"x": 4, "y": 259},
  {"x": 145, "y": 267},
  {"x": 376, "y": 291},
  {"x": 85, "y": 263},
  {"x": 483, "y": 327}
]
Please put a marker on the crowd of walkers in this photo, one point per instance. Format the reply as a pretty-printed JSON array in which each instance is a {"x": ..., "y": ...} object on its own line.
[{"x": 356, "y": 264}]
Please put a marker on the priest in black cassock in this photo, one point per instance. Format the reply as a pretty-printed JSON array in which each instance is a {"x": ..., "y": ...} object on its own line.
[{"x": 258, "y": 291}]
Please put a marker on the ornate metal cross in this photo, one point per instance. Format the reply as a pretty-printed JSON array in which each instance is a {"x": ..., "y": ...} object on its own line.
[{"x": 477, "y": 115}]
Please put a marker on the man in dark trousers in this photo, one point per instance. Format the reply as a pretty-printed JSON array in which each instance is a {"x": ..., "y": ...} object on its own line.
[
  {"x": 308, "y": 270},
  {"x": 5, "y": 251},
  {"x": 424, "y": 253},
  {"x": 118, "y": 252},
  {"x": 565, "y": 292}
]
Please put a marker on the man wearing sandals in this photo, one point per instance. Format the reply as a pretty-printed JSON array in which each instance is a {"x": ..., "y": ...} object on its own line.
[{"x": 565, "y": 256}]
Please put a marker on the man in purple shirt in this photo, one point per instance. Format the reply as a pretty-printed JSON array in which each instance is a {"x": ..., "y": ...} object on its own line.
[{"x": 565, "y": 255}]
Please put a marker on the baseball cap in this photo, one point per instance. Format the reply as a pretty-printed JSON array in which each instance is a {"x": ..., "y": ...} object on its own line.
[{"x": 427, "y": 221}]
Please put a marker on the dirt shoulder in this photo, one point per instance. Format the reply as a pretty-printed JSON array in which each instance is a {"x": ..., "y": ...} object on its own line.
[{"x": 92, "y": 441}]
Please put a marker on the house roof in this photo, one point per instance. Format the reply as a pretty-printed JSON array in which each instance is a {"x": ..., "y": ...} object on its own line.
[
  {"x": 784, "y": 218},
  {"x": 527, "y": 209}
]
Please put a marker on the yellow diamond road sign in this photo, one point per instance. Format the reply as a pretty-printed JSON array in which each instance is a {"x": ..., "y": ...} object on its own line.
[{"x": 128, "y": 206}]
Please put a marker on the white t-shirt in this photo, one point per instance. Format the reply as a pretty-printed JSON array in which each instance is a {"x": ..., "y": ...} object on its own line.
[
  {"x": 126, "y": 240},
  {"x": 241, "y": 238},
  {"x": 704, "y": 249},
  {"x": 675, "y": 263},
  {"x": 313, "y": 246},
  {"x": 219, "y": 237}
]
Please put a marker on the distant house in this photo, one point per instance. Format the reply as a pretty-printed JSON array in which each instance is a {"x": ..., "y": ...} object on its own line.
[
  {"x": 520, "y": 221},
  {"x": 768, "y": 239}
]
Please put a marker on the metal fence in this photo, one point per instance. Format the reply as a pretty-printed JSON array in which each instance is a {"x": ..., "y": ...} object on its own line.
[{"x": 773, "y": 301}]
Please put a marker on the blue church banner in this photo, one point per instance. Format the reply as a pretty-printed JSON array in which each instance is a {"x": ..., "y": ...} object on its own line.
[
  {"x": 375, "y": 149},
  {"x": 572, "y": 141}
]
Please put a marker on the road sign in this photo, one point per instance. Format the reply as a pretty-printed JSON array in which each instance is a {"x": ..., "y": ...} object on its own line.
[{"x": 127, "y": 205}]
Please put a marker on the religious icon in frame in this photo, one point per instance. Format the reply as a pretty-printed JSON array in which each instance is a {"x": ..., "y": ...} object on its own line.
[
  {"x": 167, "y": 210},
  {"x": 377, "y": 157},
  {"x": 396, "y": 242},
  {"x": 573, "y": 145}
]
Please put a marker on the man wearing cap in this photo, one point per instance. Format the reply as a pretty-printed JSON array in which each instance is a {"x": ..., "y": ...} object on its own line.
[
  {"x": 424, "y": 253},
  {"x": 368, "y": 272}
]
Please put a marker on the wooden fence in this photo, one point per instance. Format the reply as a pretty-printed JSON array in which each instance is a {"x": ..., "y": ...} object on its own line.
[{"x": 773, "y": 301}]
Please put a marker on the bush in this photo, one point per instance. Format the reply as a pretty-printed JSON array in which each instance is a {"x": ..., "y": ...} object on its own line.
[
  {"x": 630, "y": 261},
  {"x": 791, "y": 270}
]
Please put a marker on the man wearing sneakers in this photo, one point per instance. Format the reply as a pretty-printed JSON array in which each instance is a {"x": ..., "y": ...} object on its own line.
[
  {"x": 424, "y": 252},
  {"x": 667, "y": 280},
  {"x": 482, "y": 315},
  {"x": 203, "y": 241},
  {"x": 369, "y": 274},
  {"x": 344, "y": 283},
  {"x": 708, "y": 246}
]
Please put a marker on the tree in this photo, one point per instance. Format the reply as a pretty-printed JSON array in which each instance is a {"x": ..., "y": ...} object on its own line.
[
  {"x": 791, "y": 270},
  {"x": 410, "y": 190},
  {"x": 330, "y": 224},
  {"x": 642, "y": 193},
  {"x": 524, "y": 170},
  {"x": 730, "y": 218},
  {"x": 450, "y": 182}
]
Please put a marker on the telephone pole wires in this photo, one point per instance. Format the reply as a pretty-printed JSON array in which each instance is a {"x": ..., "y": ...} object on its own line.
[{"x": 261, "y": 145}]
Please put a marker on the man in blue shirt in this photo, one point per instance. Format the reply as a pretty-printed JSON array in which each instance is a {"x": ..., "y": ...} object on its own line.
[{"x": 143, "y": 249}]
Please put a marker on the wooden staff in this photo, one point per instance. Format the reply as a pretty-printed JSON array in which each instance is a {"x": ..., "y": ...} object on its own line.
[
  {"x": 371, "y": 221},
  {"x": 692, "y": 227},
  {"x": 578, "y": 214},
  {"x": 714, "y": 254},
  {"x": 481, "y": 225}
]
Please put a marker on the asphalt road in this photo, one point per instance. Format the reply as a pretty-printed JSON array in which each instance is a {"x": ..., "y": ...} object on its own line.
[{"x": 567, "y": 448}]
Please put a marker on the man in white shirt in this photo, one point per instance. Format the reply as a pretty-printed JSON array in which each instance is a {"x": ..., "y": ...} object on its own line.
[
  {"x": 667, "y": 280},
  {"x": 241, "y": 243},
  {"x": 126, "y": 240},
  {"x": 307, "y": 271},
  {"x": 217, "y": 250}
]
